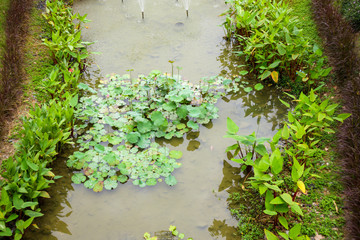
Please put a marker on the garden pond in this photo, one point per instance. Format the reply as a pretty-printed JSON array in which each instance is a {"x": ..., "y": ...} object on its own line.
[{"x": 195, "y": 47}]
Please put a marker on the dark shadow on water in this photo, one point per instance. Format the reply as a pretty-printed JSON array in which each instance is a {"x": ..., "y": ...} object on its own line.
[{"x": 221, "y": 229}]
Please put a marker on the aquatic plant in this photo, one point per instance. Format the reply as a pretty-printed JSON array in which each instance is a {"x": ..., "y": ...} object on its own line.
[
  {"x": 271, "y": 43},
  {"x": 172, "y": 229},
  {"x": 289, "y": 158},
  {"x": 122, "y": 121}
]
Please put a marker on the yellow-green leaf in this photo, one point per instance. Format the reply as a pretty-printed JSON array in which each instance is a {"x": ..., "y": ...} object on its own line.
[
  {"x": 275, "y": 76},
  {"x": 301, "y": 186}
]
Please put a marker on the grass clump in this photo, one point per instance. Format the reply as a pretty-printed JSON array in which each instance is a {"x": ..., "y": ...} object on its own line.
[{"x": 4, "y": 5}]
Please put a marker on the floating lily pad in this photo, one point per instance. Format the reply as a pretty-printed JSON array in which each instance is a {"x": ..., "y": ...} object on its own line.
[
  {"x": 175, "y": 154},
  {"x": 110, "y": 184},
  {"x": 248, "y": 89},
  {"x": 78, "y": 178},
  {"x": 258, "y": 86},
  {"x": 171, "y": 180},
  {"x": 138, "y": 111}
]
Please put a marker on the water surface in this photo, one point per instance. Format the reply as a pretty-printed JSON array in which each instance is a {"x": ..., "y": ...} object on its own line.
[{"x": 197, "y": 204}]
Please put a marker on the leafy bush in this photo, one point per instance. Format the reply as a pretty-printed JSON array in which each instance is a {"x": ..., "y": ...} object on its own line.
[
  {"x": 290, "y": 158},
  {"x": 272, "y": 44},
  {"x": 351, "y": 11}
]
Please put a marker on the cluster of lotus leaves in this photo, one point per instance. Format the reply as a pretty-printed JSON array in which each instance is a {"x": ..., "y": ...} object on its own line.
[{"x": 121, "y": 121}]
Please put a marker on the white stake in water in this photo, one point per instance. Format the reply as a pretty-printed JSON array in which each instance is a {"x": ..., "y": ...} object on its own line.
[
  {"x": 142, "y": 7},
  {"x": 186, "y": 6}
]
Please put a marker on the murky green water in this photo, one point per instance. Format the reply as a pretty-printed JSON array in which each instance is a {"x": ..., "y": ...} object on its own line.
[{"x": 197, "y": 204}]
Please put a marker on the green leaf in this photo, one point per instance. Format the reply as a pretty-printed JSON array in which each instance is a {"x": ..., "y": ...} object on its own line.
[
  {"x": 74, "y": 100},
  {"x": 34, "y": 214},
  {"x": 341, "y": 117},
  {"x": 99, "y": 148},
  {"x": 78, "y": 178},
  {"x": 266, "y": 74},
  {"x": 284, "y": 235},
  {"x": 285, "y": 103},
  {"x": 273, "y": 187},
  {"x": 17, "y": 202},
  {"x": 32, "y": 165},
  {"x": 280, "y": 49},
  {"x": 295, "y": 208},
  {"x": 283, "y": 222},
  {"x": 261, "y": 149},
  {"x": 277, "y": 200},
  {"x": 12, "y": 217},
  {"x": 144, "y": 126},
  {"x": 274, "y": 64},
  {"x": 182, "y": 112},
  {"x": 122, "y": 178},
  {"x": 158, "y": 118},
  {"x": 295, "y": 231},
  {"x": 194, "y": 112},
  {"x": 133, "y": 137},
  {"x": 321, "y": 116},
  {"x": 2, "y": 226},
  {"x": 276, "y": 161},
  {"x": 269, "y": 212},
  {"x": 170, "y": 180},
  {"x": 29, "y": 204},
  {"x": 110, "y": 184},
  {"x": 270, "y": 236},
  {"x": 243, "y": 73},
  {"x": 175, "y": 154},
  {"x": 287, "y": 198},
  {"x": 258, "y": 86},
  {"x": 6, "y": 233},
  {"x": 231, "y": 126},
  {"x": 151, "y": 182},
  {"x": 248, "y": 89},
  {"x": 193, "y": 125},
  {"x": 285, "y": 132},
  {"x": 180, "y": 126}
]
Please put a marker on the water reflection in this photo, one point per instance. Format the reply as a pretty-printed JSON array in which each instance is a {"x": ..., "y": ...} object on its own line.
[{"x": 58, "y": 205}]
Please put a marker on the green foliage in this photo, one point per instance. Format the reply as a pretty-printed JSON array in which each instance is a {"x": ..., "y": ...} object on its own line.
[
  {"x": 65, "y": 44},
  {"x": 123, "y": 120},
  {"x": 47, "y": 128},
  {"x": 291, "y": 159},
  {"x": 351, "y": 11},
  {"x": 272, "y": 44}
]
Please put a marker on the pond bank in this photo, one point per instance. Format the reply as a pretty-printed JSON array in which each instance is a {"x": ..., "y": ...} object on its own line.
[{"x": 340, "y": 44}]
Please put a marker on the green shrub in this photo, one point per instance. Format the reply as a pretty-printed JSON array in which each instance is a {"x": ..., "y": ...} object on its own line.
[
  {"x": 351, "y": 11},
  {"x": 273, "y": 45}
]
